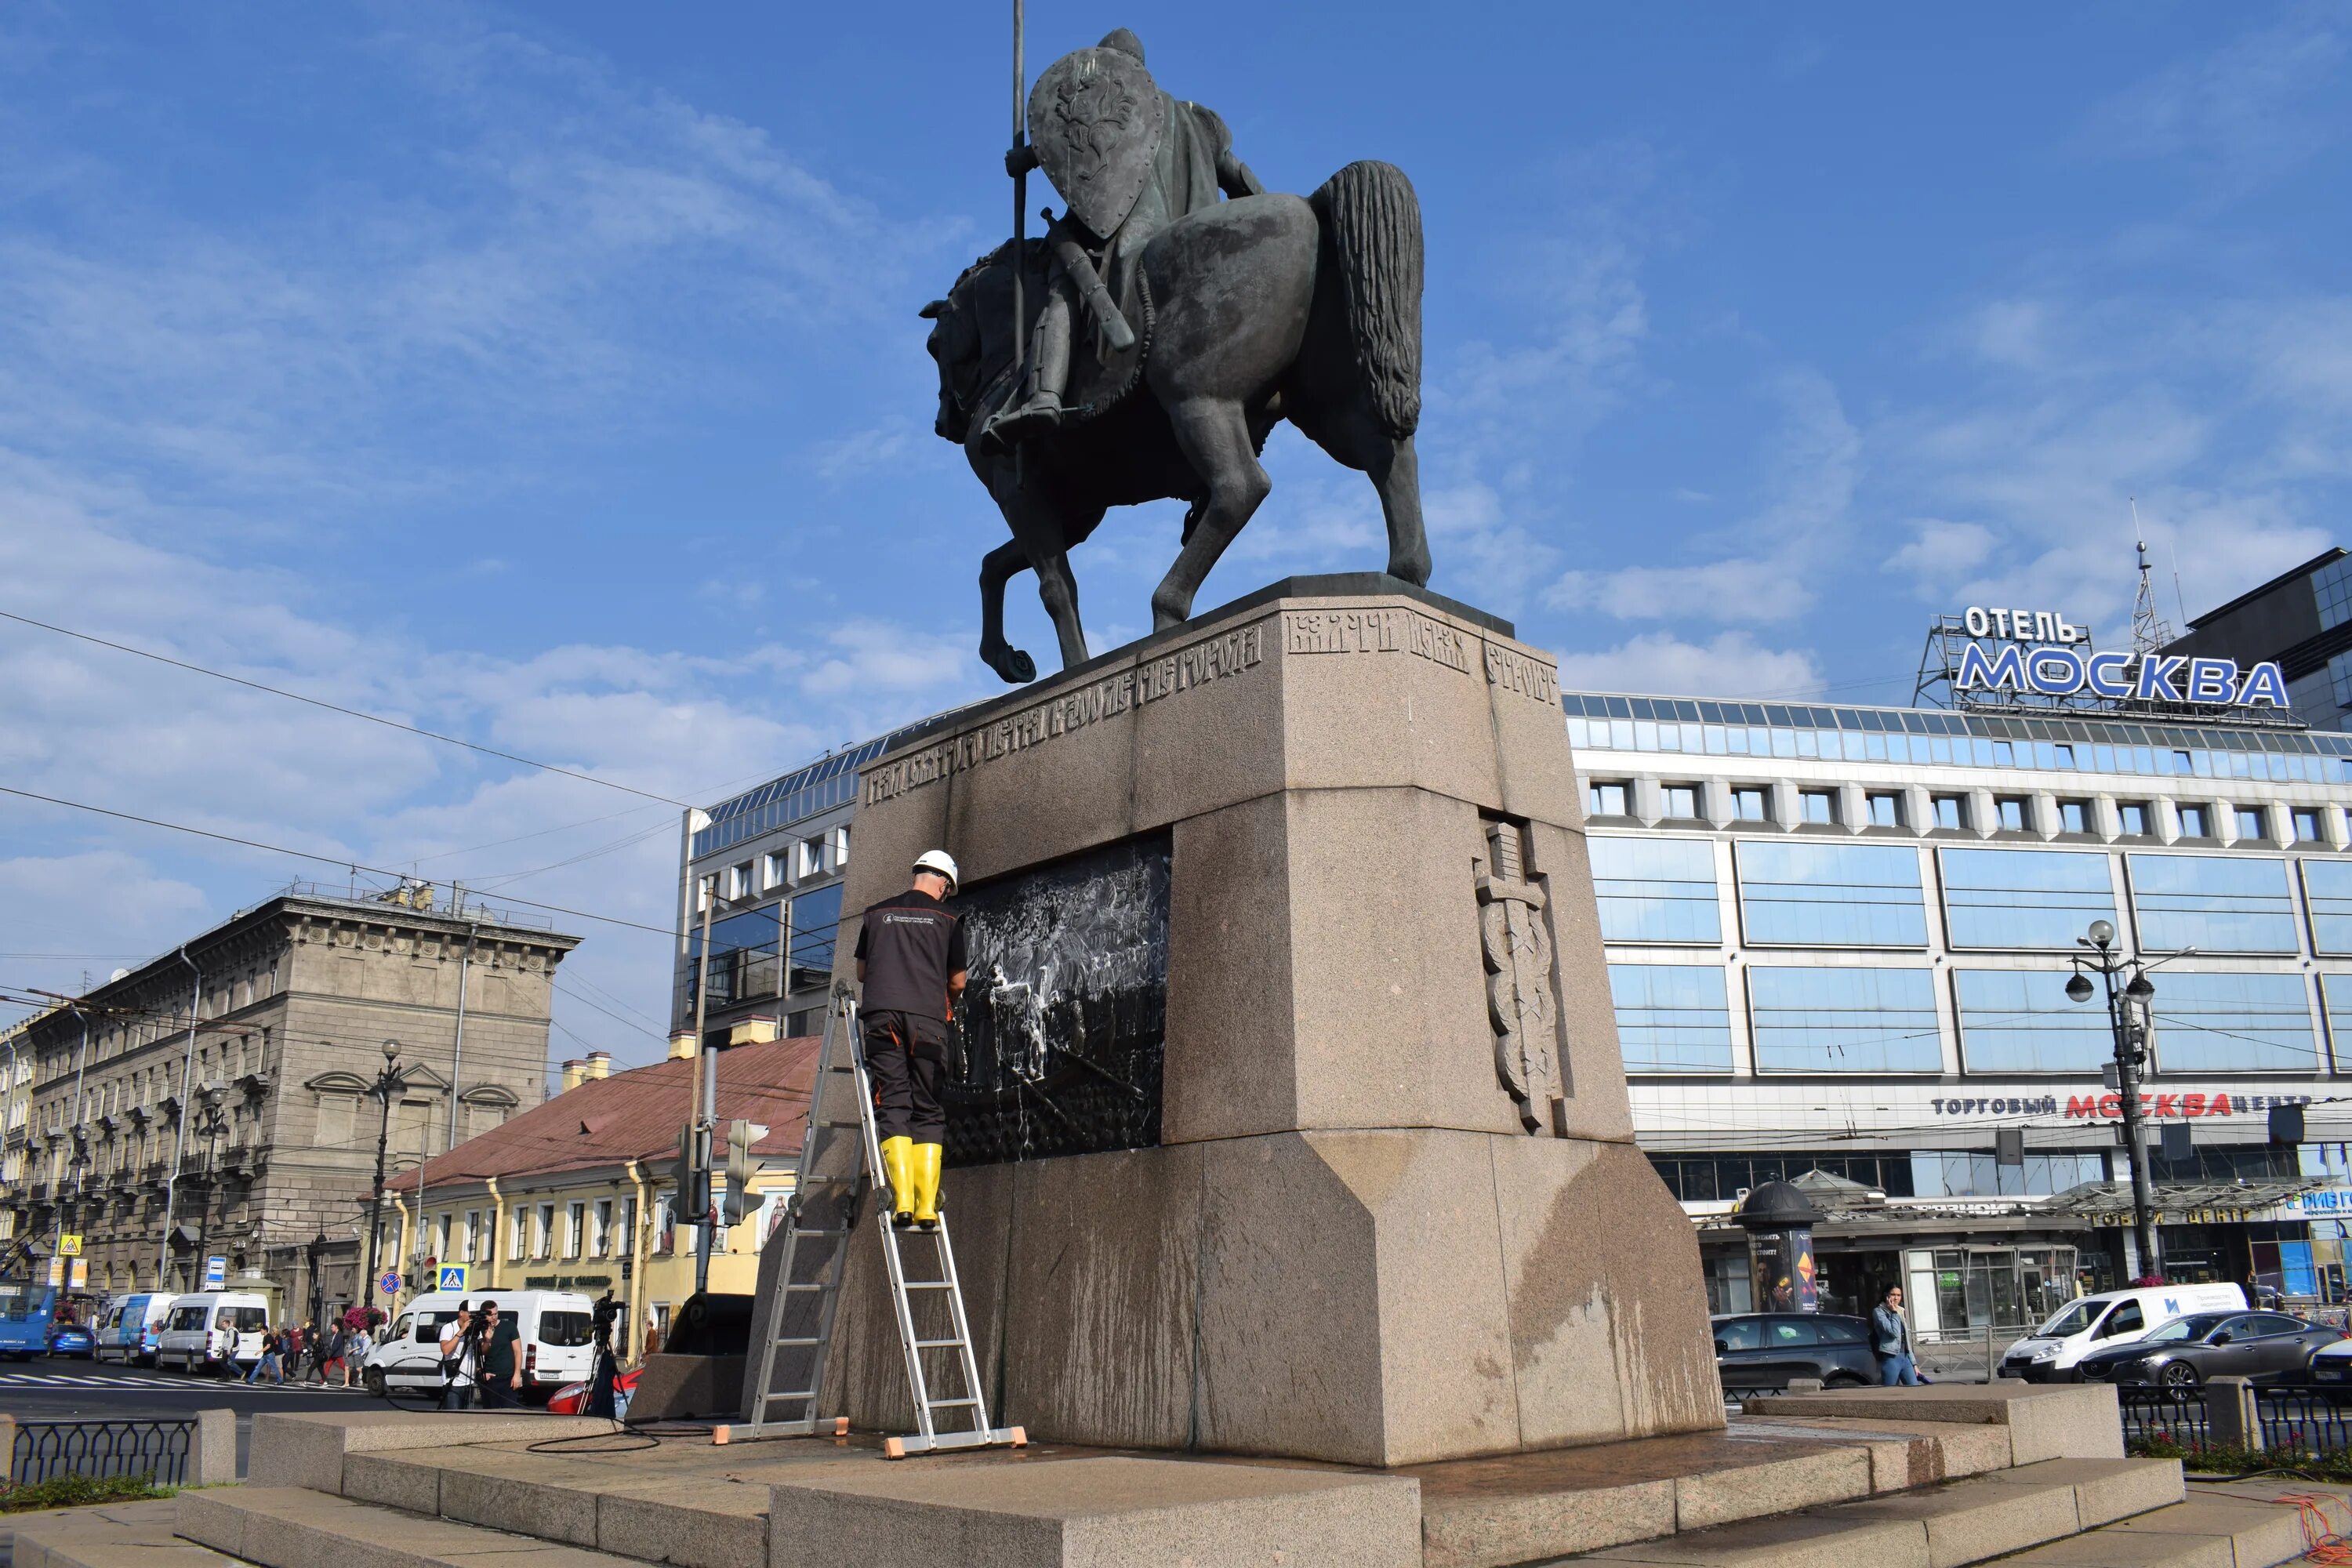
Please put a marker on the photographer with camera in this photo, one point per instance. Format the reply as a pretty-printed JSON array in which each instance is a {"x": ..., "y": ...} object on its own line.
[{"x": 461, "y": 1358}]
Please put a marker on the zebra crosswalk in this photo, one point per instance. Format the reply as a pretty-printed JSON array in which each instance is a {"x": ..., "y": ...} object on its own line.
[{"x": 137, "y": 1379}]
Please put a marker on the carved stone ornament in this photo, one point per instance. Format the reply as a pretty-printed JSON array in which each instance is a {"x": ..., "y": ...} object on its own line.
[{"x": 1521, "y": 1002}]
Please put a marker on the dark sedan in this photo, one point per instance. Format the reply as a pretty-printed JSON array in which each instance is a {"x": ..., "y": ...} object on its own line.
[
  {"x": 2187, "y": 1351},
  {"x": 1765, "y": 1349}
]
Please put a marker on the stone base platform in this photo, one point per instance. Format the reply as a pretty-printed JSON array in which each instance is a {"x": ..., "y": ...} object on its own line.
[{"x": 1890, "y": 1480}]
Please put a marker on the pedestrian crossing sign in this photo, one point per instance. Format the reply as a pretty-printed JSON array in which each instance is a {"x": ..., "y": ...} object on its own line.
[{"x": 452, "y": 1276}]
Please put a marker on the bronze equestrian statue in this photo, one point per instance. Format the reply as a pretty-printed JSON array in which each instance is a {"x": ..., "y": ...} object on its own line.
[{"x": 1212, "y": 320}]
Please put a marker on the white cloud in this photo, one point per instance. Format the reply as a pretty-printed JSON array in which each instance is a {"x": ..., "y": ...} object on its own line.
[
  {"x": 2245, "y": 109},
  {"x": 1941, "y": 551},
  {"x": 1780, "y": 551},
  {"x": 868, "y": 451},
  {"x": 1761, "y": 591},
  {"x": 1730, "y": 664},
  {"x": 873, "y": 657}
]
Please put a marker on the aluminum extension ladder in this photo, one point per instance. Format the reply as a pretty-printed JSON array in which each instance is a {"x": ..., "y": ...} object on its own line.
[{"x": 819, "y": 1224}]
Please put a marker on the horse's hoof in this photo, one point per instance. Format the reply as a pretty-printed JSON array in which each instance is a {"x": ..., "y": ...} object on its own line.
[{"x": 1014, "y": 667}]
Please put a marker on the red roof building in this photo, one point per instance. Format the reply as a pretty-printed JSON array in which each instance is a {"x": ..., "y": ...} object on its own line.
[{"x": 576, "y": 1194}]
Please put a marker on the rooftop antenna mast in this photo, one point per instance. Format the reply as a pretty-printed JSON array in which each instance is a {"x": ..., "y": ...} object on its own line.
[{"x": 2149, "y": 631}]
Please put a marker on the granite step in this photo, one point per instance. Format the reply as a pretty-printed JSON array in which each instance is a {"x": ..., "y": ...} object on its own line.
[
  {"x": 110, "y": 1536},
  {"x": 1977, "y": 1519},
  {"x": 292, "y": 1526},
  {"x": 2242, "y": 1525}
]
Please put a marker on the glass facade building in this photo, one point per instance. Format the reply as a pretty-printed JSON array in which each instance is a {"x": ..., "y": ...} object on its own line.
[{"x": 1838, "y": 939}]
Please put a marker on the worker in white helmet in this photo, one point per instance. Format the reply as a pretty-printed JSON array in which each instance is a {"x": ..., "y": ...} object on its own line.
[{"x": 910, "y": 960}]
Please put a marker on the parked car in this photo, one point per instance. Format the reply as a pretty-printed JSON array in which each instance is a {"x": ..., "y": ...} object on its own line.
[
  {"x": 553, "y": 1327},
  {"x": 2104, "y": 1321},
  {"x": 2185, "y": 1352},
  {"x": 2329, "y": 1364},
  {"x": 71, "y": 1339},
  {"x": 1765, "y": 1349},
  {"x": 572, "y": 1399}
]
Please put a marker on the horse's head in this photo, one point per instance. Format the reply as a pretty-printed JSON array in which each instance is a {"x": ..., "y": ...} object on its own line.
[
  {"x": 971, "y": 339},
  {"x": 954, "y": 343}
]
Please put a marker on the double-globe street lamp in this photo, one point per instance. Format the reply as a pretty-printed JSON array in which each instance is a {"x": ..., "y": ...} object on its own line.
[
  {"x": 211, "y": 1122},
  {"x": 2129, "y": 1014},
  {"x": 388, "y": 1083}
]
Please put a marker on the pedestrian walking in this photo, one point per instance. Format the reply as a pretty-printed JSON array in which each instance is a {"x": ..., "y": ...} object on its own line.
[
  {"x": 1890, "y": 1336},
  {"x": 272, "y": 1358},
  {"x": 502, "y": 1360}
]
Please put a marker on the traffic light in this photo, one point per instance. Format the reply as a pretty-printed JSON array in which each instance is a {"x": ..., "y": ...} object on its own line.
[
  {"x": 742, "y": 1136},
  {"x": 693, "y": 1179}
]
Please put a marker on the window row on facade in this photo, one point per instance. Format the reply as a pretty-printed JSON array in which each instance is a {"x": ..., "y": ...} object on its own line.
[
  {"x": 1883, "y": 1019},
  {"x": 1968, "y": 811},
  {"x": 2149, "y": 751},
  {"x": 747, "y": 949},
  {"x": 1716, "y": 1177},
  {"x": 1814, "y": 893},
  {"x": 782, "y": 868}
]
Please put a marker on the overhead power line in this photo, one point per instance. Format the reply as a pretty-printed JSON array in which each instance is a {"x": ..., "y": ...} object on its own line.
[
  {"x": 308, "y": 855},
  {"x": 338, "y": 708}
]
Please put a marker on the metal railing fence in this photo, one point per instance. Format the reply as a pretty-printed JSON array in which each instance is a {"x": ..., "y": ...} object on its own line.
[
  {"x": 2161, "y": 1414},
  {"x": 2302, "y": 1418},
  {"x": 102, "y": 1450}
]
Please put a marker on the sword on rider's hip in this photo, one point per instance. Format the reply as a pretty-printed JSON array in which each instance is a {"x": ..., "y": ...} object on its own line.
[{"x": 1099, "y": 304}]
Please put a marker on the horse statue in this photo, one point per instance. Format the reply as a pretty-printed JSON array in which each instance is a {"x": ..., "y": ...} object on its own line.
[{"x": 1253, "y": 311}]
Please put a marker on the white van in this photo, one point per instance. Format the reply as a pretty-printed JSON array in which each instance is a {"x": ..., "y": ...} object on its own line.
[
  {"x": 2100, "y": 1322},
  {"x": 213, "y": 1331},
  {"x": 552, "y": 1328},
  {"x": 129, "y": 1329}
]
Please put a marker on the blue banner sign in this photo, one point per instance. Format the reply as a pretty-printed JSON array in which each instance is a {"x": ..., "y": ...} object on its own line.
[{"x": 2057, "y": 670}]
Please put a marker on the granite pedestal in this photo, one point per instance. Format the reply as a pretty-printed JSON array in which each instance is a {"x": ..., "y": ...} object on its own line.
[{"x": 1395, "y": 1213}]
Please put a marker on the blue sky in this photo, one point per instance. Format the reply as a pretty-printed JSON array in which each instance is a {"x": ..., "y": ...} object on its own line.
[{"x": 550, "y": 375}]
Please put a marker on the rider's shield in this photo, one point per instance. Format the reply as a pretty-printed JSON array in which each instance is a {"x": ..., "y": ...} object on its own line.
[{"x": 1095, "y": 118}]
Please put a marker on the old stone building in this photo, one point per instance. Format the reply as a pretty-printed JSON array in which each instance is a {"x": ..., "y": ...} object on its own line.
[{"x": 251, "y": 1135}]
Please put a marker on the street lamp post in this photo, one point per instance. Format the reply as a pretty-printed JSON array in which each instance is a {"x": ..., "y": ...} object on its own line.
[
  {"x": 703, "y": 1114},
  {"x": 316, "y": 1251},
  {"x": 387, "y": 1084},
  {"x": 209, "y": 1125},
  {"x": 2128, "y": 1014}
]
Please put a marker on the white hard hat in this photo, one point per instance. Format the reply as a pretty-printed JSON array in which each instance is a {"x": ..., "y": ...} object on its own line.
[{"x": 942, "y": 862}]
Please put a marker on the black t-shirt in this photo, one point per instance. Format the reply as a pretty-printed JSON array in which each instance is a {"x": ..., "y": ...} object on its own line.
[
  {"x": 498, "y": 1349},
  {"x": 910, "y": 945}
]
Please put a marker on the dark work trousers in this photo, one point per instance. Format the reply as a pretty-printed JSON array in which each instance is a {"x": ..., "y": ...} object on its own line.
[
  {"x": 908, "y": 1055},
  {"x": 496, "y": 1395}
]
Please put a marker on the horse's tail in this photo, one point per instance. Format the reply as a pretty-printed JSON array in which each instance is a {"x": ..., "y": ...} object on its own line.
[{"x": 1370, "y": 211}]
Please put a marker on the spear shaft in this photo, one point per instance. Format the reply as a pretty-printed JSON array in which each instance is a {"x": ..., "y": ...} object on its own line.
[{"x": 1020, "y": 199}]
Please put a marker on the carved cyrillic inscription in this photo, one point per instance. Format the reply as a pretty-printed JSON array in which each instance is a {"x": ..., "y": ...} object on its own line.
[
  {"x": 1517, "y": 672},
  {"x": 1520, "y": 1003},
  {"x": 1214, "y": 659},
  {"x": 1387, "y": 630}
]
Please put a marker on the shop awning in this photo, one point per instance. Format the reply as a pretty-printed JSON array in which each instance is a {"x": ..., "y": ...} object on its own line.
[{"x": 2179, "y": 1203}]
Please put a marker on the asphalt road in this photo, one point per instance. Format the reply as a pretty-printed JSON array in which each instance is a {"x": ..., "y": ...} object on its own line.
[{"x": 60, "y": 1389}]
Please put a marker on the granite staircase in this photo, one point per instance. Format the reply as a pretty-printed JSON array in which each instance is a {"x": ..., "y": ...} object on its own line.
[{"x": 1878, "y": 1479}]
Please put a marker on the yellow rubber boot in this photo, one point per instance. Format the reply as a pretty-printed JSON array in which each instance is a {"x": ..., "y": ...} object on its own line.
[
  {"x": 927, "y": 1185},
  {"x": 899, "y": 1164}
]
